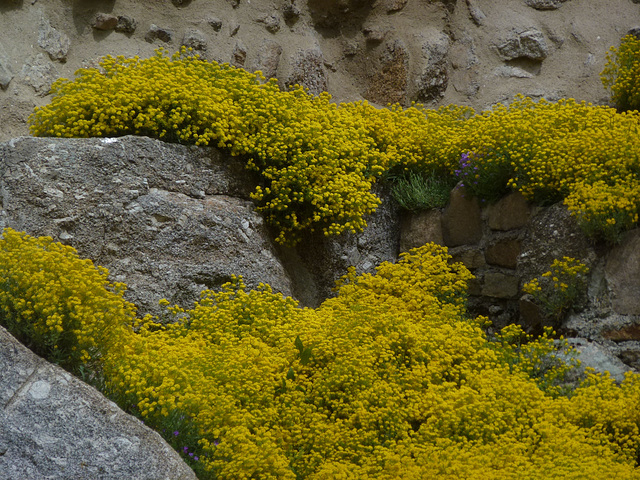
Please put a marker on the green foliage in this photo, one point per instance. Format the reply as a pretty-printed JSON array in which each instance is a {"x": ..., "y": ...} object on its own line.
[
  {"x": 415, "y": 192},
  {"x": 621, "y": 74},
  {"x": 557, "y": 289}
]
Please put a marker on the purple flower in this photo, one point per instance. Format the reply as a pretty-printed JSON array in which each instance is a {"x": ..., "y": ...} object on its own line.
[
  {"x": 185, "y": 449},
  {"x": 191, "y": 454},
  {"x": 176, "y": 433},
  {"x": 196, "y": 458}
]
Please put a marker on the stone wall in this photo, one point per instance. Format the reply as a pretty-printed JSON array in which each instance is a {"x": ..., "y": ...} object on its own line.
[{"x": 510, "y": 242}]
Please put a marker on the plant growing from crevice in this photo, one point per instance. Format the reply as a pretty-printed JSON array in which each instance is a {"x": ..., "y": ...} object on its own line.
[
  {"x": 558, "y": 289},
  {"x": 415, "y": 191}
]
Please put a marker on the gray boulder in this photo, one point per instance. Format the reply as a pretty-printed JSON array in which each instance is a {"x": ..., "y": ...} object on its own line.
[
  {"x": 52, "y": 425},
  {"x": 6, "y": 73},
  {"x": 167, "y": 220},
  {"x": 39, "y": 73}
]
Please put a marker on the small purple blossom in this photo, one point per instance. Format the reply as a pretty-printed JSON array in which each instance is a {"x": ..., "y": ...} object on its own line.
[
  {"x": 176, "y": 433},
  {"x": 185, "y": 449},
  {"x": 196, "y": 458}
]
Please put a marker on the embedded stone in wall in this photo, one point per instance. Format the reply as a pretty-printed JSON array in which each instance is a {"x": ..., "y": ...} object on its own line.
[
  {"x": 420, "y": 228},
  {"x": 395, "y": 5},
  {"x": 434, "y": 78},
  {"x": 545, "y": 4},
  {"x": 239, "y": 54},
  {"x": 462, "y": 219},
  {"x": 39, "y": 73},
  {"x": 104, "y": 21},
  {"x": 471, "y": 258},
  {"x": 268, "y": 58},
  {"x": 126, "y": 24},
  {"x": 622, "y": 273},
  {"x": 6, "y": 74},
  {"x": 500, "y": 285},
  {"x": 271, "y": 22},
  {"x": 158, "y": 33},
  {"x": 308, "y": 70},
  {"x": 630, "y": 332},
  {"x": 389, "y": 85},
  {"x": 194, "y": 39},
  {"x": 528, "y": 44},
  {"x": 531, "y": 317},
  {"x": 476, "y": 14},
  {"x": 55, "y": 43},
  {"x": 504, "y": 253},
  {"x": 215, "y": 23}
]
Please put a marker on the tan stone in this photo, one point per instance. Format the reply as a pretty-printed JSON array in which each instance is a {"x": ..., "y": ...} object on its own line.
[
  {"x": 504, "y": 253},
  {"x": 622, "y": 273},
  {"x": 462, "y": 219},
  {"x": 630, "y": 332},
  {"x": 511, "y": 211},
  {"x": 419, "y": 228},
  {"x": 500, "y": 285},
  {"x": 470, "y": 258}
]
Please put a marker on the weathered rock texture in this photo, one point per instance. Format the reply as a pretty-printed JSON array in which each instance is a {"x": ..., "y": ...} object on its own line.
[
  {"x": 473, "y": 52},
  {"x": 52, "y": 425},
  {"x": 168, "y": 220}
]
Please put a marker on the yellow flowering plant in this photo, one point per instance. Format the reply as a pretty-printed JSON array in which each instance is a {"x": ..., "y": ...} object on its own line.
[
  {"x": 390, "y": 379},
  {"x": 621, "y": 73},
  {"x": 557, "y": 289}
]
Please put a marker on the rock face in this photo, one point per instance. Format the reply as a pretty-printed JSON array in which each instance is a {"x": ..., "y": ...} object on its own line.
[
  {"x": 473, "y": 52},
  {"x": 168, "y": 220},
  {"x": 52, "y": 425}
]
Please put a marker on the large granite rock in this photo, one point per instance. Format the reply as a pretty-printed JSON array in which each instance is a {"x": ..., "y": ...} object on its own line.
[
  {"x": 167, "y": 220},
  {"x": 53, "y": 426}
]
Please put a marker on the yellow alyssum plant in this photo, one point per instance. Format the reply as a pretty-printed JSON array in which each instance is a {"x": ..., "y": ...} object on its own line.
[
  {"x": 319, "y": 160},
  {"x": 557, "y": 289},
  {"x": 389, "y": 379},
  {"x": 621, "y": 73},
  {"x": 62, "y": 307}
]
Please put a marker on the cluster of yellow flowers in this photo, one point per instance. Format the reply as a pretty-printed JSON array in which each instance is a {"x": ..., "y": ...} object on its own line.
[
  {"x": 61, "y": 306},
  {"x": 606, "y": 210},
  {"x": 558, "y": 288},
  {"x": 389, "y": 379},
  {"x": 319, "y": 160},
  {"x": 622, "y": 73}
]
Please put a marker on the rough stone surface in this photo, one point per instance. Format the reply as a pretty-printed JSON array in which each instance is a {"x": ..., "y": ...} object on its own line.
[
  {"x": 158, "y": 33},
  {"x": 551, "y": 234},
  {"x": 434, "y": 77},
  {"x": 421, "y": 228},
  {"x": 194, "y": 38},
  {"x": 239, "y": 55},
  {"x": 318, "y": 261},
  {"x": 215, "y": 23},
  {"x": 271, "y": 22},
  {"x": 504, "y": 253},
  {"x": 389, "y": 85},
  {"x": 105, "y": 21},
  {"x": 545, "y": 4},
  {"x": 622, "y": 273},
  {"x": 307, "y": 69},
  {"x": 500, "y": 285},
  {"x": 160, "y": 217},
  {"x": 510, "y": 212},
  {"x": 52, "y": 425},
  {"x": 55, "y": 43},
  {"x": 6, "y": 72},
  {"x": 470, "y": 257},
  {"x": 528, "y": 44},
  {"x": 599, "y": 357},
  {"x": 268, "y": 58},
  {"x": 395, "y": 5},
  {"x": 462, "y": 219},
  {"x": 476, "y": 13},
  {"x": 126, "y": 24},
  {"x": 39, "y": 73},
  {"x": 630, "y": 332}
]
